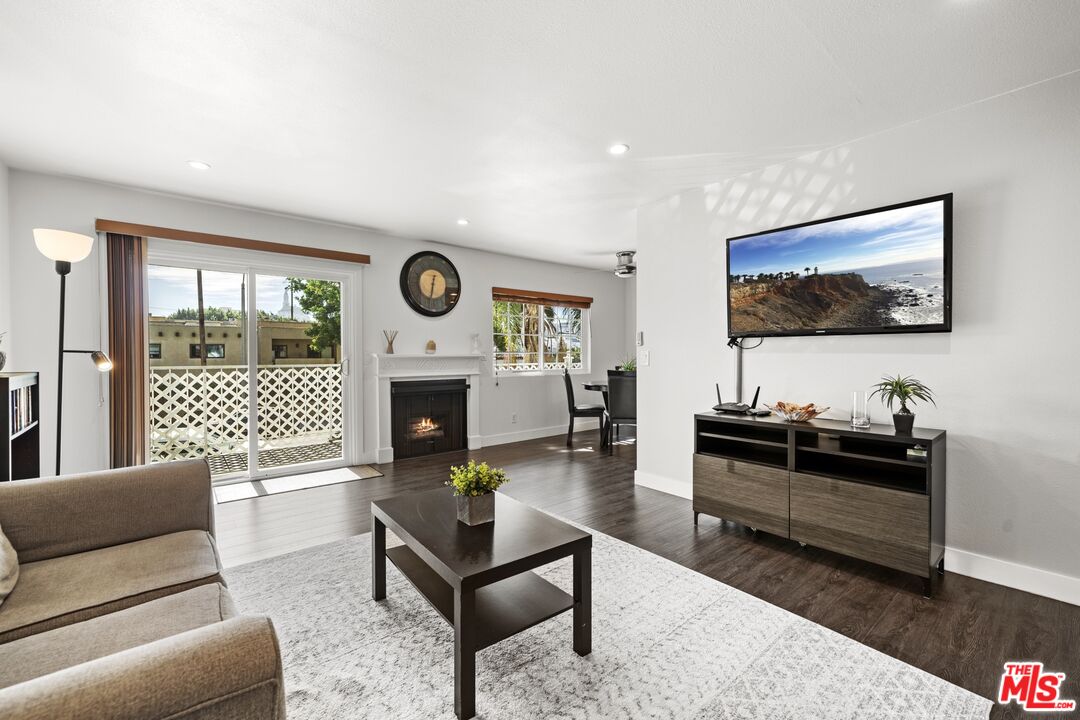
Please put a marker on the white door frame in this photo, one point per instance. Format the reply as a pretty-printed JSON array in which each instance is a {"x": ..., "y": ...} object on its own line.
[{"x": 252, "y": 263}]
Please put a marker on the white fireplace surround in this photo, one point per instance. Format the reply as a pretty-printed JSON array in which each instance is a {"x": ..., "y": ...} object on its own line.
[{"x": 384, "y": 369}]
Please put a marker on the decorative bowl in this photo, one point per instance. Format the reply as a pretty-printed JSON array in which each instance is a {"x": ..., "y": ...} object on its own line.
[{"x": 796, "y": 413}]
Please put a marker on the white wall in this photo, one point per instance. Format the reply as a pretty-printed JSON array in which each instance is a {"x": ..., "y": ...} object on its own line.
[
  {"x": 5, "y": 267},
  {"x": 630, "y": 302},
  {"x": 49, "y": 201},
  {"x": 1005, "y": 377}
]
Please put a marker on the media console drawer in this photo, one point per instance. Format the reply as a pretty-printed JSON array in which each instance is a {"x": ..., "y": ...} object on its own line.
[
  {"x": 889, "y": 527},
  {"x": 750, "y": 494}
]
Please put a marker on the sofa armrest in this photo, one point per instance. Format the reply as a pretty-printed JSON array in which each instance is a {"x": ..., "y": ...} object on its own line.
[
  {"x": 50, "y": 517},
  {"x": 228, "y": 669}
]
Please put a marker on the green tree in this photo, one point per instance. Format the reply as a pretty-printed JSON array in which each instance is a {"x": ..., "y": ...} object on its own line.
[
  {"x": 321, "y": 299},
  {"x": 212, "y": 313}
]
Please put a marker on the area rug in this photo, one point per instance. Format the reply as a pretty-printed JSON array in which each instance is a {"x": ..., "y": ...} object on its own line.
[
  {"x": 667, "y": 643},
  {"x": 289, "y": 483}
]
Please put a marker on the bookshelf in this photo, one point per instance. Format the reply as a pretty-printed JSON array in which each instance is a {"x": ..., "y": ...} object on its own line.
[{"x": 20, "y": 435}]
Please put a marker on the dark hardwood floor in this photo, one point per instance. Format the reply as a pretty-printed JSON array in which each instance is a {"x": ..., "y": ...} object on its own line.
[{"x": 964, "y": 634}]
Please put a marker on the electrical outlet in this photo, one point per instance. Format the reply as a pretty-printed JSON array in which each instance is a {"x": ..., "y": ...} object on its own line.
[
  {"x": 643, "y": 358},
  {"x": 513, "y": 418}
]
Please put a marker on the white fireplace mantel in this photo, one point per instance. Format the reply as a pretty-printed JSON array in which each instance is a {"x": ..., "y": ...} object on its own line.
[{"x": 384, "y": 369}]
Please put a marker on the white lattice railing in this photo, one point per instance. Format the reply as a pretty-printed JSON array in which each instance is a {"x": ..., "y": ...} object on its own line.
[{"x": 203, "y": 411}]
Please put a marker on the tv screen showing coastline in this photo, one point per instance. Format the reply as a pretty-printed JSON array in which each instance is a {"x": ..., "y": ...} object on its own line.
[{"x": 881, "y": 270}]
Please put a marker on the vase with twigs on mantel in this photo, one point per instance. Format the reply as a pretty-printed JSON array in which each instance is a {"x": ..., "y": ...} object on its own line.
[{"x": 389, "y": 335}]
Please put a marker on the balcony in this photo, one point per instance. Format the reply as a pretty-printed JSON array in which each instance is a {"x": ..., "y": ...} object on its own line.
[{"x": 203, "y": 412}]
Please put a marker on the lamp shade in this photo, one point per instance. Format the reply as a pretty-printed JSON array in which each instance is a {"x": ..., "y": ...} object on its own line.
[
  {"x": 101, "y": 361},
  {"x": 62, "y": 245}
]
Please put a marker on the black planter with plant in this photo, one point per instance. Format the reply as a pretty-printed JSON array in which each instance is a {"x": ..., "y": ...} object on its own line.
[
  {"x": 628, "y": 367},
  {"x": 906, "y": 390}
]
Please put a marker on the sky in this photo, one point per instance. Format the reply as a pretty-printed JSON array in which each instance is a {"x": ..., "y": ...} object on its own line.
[
  {"x": 895, "y": 236},
  {"x": 172, "y": 288}
]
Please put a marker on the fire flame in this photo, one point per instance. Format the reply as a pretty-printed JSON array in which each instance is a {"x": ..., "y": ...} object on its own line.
[{"x": 426, "y": 425}]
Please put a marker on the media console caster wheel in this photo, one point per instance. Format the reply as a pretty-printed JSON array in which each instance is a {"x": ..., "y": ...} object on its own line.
[
  {"x": 802, "y": 545},
  {"x": 753, "y": 530}
]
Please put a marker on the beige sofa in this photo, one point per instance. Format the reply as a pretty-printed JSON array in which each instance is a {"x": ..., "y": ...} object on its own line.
[{"x": 120, "y": 611}]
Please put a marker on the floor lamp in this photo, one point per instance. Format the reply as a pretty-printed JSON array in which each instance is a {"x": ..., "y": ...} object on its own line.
[{"x": 65, "y": 248}]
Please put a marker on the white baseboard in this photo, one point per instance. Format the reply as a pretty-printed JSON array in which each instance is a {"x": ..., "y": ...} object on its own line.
[
  {"x": 1001, "y": 572},
  {"x": 1021, "y": 577},
  {"x": 663, "y": 484},
  {"x": 551, "y": 431}
]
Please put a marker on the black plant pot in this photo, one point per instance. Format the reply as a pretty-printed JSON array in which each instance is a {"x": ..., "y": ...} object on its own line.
[{"x": 904, "y": 422}]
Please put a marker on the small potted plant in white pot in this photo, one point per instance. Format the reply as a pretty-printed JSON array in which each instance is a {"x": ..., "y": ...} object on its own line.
[
  {"x": 475, "y": 485},
  {"x": 906, "y": 390}
]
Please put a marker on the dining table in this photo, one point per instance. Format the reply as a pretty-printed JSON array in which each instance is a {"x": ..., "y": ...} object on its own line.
[{"x": 600, "y": 387}]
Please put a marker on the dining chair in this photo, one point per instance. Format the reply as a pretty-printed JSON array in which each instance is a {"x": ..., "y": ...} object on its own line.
[
  {"x": 576, "y": 411},
  {"x": 622, "y": 403}
]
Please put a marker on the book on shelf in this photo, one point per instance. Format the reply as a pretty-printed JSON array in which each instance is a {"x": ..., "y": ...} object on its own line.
[{"x": 22, "y": 409}]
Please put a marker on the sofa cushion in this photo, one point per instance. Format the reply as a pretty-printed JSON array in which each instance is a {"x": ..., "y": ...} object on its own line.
[
  {"x": 9, "y": 567},
  {"x": 72, "y": 588},
  {"x": 81, "y": 642}
]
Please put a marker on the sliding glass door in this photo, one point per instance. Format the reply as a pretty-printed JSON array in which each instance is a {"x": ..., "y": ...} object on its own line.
[
  {"x": 246, "y": 370},
  {"x": 298, "y": 378}
]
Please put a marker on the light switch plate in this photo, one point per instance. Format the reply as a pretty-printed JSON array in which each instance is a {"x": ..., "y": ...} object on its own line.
[{"x": 643, "y": 357}]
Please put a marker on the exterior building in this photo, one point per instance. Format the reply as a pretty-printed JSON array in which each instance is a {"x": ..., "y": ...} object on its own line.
[{"x": 175, "y": 343}]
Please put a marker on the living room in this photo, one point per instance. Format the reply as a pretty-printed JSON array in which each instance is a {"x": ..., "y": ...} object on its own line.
[{"x": 522, "y": 208}]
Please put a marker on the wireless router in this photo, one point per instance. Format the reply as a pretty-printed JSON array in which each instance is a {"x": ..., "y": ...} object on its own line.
[{"x": 738, "y": 408}]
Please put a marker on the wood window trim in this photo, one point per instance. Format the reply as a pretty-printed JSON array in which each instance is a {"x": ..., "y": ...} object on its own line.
[
  {"x": 125, "y": 228},
  {"x": 501, "y": 294}
]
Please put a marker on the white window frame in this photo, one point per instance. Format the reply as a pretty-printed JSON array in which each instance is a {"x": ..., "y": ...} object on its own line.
[{"x": 556, "y": 368}]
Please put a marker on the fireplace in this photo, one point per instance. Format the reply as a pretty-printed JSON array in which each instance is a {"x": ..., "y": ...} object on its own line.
[{"x": 428, "y": 416}]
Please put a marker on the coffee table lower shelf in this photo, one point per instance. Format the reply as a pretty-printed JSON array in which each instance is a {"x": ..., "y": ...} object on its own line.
[{"x": 503, "y": 608}]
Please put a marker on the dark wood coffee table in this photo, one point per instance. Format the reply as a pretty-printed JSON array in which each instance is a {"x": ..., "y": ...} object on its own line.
[{"x": 478, "y": 577}]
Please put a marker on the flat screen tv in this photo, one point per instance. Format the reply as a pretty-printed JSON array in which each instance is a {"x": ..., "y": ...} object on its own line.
[{"x": 886, "y": 270}]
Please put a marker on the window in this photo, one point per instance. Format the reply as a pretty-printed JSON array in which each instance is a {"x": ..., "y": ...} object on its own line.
[
  {"x": 155, "y": 351},
  {"x": 281, "y": 350},
  {"x": 538, "y": 337},
  {"x": 213, "y": 351}
]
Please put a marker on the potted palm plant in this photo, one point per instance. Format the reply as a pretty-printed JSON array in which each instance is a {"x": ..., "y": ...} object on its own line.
[
  {"x": 906, "y": 390},
  {"x": 627, "y": 367},
  {"x": 475, "y": 485}
]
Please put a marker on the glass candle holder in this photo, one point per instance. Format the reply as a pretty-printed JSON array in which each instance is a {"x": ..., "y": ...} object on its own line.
[{"x": 860, "y": 409}]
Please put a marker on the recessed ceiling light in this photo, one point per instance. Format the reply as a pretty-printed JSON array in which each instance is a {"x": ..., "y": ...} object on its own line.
[
  {"x": 619, "y": 149},
  {"x": 198, "y": 165},
  {"x": 463, "y": 221}
]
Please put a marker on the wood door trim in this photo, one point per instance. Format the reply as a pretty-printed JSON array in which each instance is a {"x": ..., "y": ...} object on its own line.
[{"x": 125, "y": 228}]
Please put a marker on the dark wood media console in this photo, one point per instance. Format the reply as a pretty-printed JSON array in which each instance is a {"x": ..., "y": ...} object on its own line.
[{"x": 825, "y": 484}]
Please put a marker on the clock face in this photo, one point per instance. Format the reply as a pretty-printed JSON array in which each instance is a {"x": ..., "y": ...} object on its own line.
[{"x": 430, "y": 284}]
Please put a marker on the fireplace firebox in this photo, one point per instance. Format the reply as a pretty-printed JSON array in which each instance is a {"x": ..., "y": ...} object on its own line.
[{"x": 428, "y": 416}]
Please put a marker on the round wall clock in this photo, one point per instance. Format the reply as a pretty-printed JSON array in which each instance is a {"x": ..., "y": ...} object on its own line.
[{"x": 430, "y": 283}]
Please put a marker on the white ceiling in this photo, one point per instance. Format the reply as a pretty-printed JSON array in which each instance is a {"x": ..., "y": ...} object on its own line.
[{"x": 404, "y": 115}]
